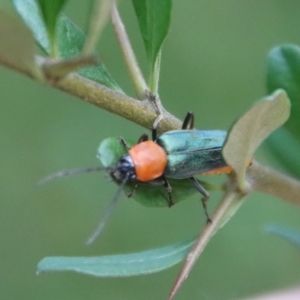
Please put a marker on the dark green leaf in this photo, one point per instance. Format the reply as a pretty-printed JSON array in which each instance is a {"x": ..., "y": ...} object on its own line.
[
  {"x": 50, "y": 10},
  {"x": 284, "y": 73},
  {"x": 70, "y": 40},
  {"x": 286, "y": 148},
  {"x": 110, "y": 151},
  {"x": 154, "y": 21},
  {"x": 122, "y": 265},
  {"x": 293, "y": 236}
]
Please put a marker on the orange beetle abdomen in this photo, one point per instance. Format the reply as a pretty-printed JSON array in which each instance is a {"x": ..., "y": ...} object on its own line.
[
  {"x": 149, "y": 160},
  {"x": 223, "y": 170}
]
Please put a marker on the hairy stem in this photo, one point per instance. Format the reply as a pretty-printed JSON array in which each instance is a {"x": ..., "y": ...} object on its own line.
[{"x": 139, "y": 112}]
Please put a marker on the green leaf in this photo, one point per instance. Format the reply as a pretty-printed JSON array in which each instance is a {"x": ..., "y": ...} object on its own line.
[
  {"x": 250, "y": 130},
  {"x": 50, "y": 10},
  {"x": 122, "y": 265},
  {"x": 284, "y": 73},
  {"x": 110, "y": 151},
  {"x": 17, "y": 45},
  {"x": 154, "y": 20},
  {"x": 70, "y": 43},
  {"x": 288, "y": 156},
  {"x": 292, "y": 236},
  {"x": 70, "y": 40}
]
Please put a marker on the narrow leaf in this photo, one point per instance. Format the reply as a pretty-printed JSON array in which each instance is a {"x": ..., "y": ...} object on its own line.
[
  {"x": 292, "y": 236},
  {"x": 16, "y": 43},
  {"x": 284, "y": 73},
  {"x": 252, "y": 129},
  {"x": 122, "y": 265},
  {"x": 154, "y": 20},
  {"x": 50, "y": 10}
]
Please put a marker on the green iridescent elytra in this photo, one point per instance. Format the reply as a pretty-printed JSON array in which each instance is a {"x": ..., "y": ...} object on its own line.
[{"x": 191, "y": 152}]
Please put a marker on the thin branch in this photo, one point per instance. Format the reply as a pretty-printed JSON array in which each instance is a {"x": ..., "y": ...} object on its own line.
[
  {"x": 229, "y": 199},
  {"x": 132, "y": 66},
  {"x": 98, "y": 19},
  {"x": 272, "y": 182},
  {"x": 139, "y": 112}
]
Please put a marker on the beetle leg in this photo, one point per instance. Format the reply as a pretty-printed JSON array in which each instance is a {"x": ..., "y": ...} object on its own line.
[
  {"x": 188, "y": 122},
  {"x": 158, "y": 106},
  {"x": 203, "y": 201},
  {"x": 199, "y": 187},
  {"x": 123, "y": 143},
  {"x": 143, "y": 138},
  {"x": 154, "y": 126},
  {"x": 205, "y": 197},
  {"x": 169, "y": 190},
  {"x": 130, "y": 194}
]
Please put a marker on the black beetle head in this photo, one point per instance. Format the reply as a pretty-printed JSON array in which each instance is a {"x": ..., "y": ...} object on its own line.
[{"x": 124, "y": 169}]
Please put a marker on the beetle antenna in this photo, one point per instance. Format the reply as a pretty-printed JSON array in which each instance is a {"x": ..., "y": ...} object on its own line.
[
  {"x": 108, "y": 211},
  {"x": 65, "y": 173}
]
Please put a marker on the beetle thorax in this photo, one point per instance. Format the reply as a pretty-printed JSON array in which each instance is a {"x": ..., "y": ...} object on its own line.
[
  {"x": 124, "y": 169},
  {"x": 149, "y": 160}
]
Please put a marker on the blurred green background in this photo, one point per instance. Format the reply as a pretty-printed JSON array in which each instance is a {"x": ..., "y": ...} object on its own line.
[{"x": 214, "y": 63}]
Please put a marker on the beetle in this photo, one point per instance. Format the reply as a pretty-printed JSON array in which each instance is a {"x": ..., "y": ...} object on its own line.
[{"x": 175, "y": 154}]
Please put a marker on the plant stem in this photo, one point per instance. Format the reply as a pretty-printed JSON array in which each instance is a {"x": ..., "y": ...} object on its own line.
[
  {"x": 132, "y": 66},
  {"x": 272, "y": 182},
  {"x": 99, "y": 17},
  {"x": 230, "y": 199},
  {"x": 141, "y": 113}
]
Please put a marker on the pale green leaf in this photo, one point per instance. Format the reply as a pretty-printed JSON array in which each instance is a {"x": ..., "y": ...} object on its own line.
[
  {"x": 292, "y": 236},
  {"x": 250, "y": 130},
  {"x": 122, "y": 265}
]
